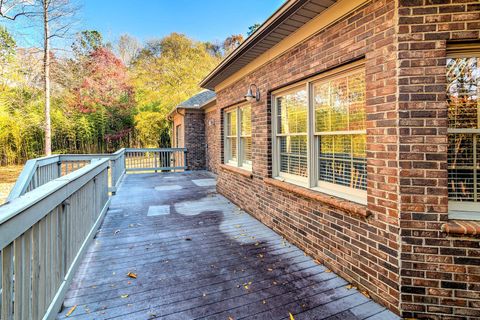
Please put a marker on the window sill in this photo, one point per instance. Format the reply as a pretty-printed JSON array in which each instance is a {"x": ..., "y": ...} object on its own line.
[
  {"x": 240, "y": 171},
  {"x": 344, "y": 205},
  {"x": 462, "y": 227}
]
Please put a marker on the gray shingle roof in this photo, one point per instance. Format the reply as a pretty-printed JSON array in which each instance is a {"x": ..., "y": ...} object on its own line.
[{"x": 198, "y": 100}]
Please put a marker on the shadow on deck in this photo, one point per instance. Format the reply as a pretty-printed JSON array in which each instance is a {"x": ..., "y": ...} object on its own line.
[{"x": 196, "y": 255}]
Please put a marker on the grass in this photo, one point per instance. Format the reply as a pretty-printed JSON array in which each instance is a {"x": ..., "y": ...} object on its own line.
[{"x": 8, "y": 176}]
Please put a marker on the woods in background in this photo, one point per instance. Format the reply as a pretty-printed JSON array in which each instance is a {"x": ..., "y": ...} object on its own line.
[{"x": 104, "y": 96}]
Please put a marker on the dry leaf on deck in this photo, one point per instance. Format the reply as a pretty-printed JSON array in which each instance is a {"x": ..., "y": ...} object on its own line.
[
  {"x": 132, "y": 275},
  {"x": 71, "y": 310},
  {"x": 291, "y": 316},
  {"x": 365, "y": 293},
  {"x": 123, "y": 296}
]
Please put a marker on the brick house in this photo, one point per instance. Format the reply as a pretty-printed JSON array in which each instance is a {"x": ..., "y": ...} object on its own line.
[
  {"x": 358, "y": 143},
  {"x": 188, "y": 130}
]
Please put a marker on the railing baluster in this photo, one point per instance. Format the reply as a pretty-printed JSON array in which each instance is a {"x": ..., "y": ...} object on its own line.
[
  {"x": 27, "y": 276},
  {"x": 7, "y": 282},
  {"x": 18, "y": 276}
]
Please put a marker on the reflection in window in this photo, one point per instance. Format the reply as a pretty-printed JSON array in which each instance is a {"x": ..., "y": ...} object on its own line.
[
  {"x": 246, "y": 135},
  {"x": 339, "y": 106},
  {"x": 463, "y": 76},
  {"x": 231, "y": 137},
  {"x": 292, "y": 113}
]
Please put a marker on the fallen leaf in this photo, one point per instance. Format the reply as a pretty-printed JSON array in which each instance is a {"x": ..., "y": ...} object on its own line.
[
  {"x": 230, "y": 318},
  {"x": 116, "y": 231},
  {"x": 365, "y": 293},
  {"x": 328, "y": 270},
  {"x": 132, "y": 275},
  {"x": 270, "y": 269},
  {"x": 71, "y": 311},
  {"x": 264, "y": 302},
  {"x": 350, "y": 286},
  {"x": 260, "y": 255},
  {"x": 188, "y": 239},
  {"x": 123, "y": 296},
  {"x": 291, "y": 316}
]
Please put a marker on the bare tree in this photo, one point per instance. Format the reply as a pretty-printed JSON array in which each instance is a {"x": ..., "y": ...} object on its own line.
[
  {"x": 128, "y": 48},
  {"x": 55, "y": 18}
]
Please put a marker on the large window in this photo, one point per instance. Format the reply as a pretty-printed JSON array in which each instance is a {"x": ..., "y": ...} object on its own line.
[
  {"x": 238, "y": 137},
  {"x": 319, "y": 133},
  {"x": 463, "y": 80}
]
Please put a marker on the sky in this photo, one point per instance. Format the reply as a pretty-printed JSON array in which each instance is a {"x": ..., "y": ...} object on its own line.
[{"x": 205, "y": 20}]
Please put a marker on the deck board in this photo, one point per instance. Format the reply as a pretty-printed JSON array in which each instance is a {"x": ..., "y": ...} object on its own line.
[{"x": 201, "y": 257}]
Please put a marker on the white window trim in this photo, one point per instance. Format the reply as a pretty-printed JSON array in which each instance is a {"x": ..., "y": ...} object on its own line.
[
  {"x": 238, "y": 162},
  {"x": 464, "y": 210},
  {"x": 311, "y": 181}
]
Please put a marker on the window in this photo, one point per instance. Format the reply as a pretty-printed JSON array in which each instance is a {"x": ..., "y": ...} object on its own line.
[
  {"x": 320, "y": 136},
  {"x": 463, "y": 80},
  {"x": 238, "y": 137}
]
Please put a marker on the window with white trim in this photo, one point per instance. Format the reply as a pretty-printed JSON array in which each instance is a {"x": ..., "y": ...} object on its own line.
[
  {"x": 463, "y": 89},
  {"x": 238, "y": 137},
  {"x": 319, "y": 135}
]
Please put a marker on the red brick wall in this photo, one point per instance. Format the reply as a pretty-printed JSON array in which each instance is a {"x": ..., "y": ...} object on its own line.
[
  {"x": 212, "y": 123},
  {"x": 363, "y": 250},
  {"x": 440, "y": 272}
]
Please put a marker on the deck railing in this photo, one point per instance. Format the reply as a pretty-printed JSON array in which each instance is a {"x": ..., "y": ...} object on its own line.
[
  {"x": 151, "y": 159},
  {"x": 43, "y": 235},
  {"x": 51, "y": 215},
  {"x": 42, "y": 170}
]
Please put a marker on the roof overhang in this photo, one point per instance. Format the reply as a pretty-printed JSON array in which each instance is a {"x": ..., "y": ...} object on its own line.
[{"x": 285, "y": 21}]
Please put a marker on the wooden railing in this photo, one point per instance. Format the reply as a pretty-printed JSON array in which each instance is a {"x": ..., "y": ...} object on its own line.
[
  {"x": 42, "y": 170},
  {"x": 166, "y": 159},
  {"x": 43, "y": 235},
  {"x": 39, "y": 171}
]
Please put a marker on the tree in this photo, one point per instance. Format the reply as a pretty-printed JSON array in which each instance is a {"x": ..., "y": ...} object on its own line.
[
  {"x": 253, "y": 28},
  {"x": 86, "y": 42},
  {"x": 232, "y": 42},
  {"x": 105, "y": 95},
  {"x": 128, "y": 48},
  {"x": 7, "y": 56}
]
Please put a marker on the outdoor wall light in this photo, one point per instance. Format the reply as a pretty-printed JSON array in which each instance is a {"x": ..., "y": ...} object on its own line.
[{"x": 249, "y": 96}]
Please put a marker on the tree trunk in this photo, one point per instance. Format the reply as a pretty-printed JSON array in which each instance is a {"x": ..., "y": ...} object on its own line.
[{"x": 46, "y": 72}]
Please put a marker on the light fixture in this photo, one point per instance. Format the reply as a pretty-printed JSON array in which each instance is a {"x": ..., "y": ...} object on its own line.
[{"x": 250, "y": 97}]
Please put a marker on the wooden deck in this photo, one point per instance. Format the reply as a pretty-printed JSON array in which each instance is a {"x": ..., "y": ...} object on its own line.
[{"x": 197, "y": 256}]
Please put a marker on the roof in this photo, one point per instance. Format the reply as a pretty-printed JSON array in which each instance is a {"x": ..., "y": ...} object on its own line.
[
  {"x": 197, "y": 101},
  {"x": 290, "y": 17}
]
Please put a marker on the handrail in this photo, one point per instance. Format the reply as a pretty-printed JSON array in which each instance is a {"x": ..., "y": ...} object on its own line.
[{"x": 43, "y": 236}]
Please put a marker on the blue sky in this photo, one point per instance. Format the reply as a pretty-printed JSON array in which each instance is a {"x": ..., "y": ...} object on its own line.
[{"x": 211, "y": 20}]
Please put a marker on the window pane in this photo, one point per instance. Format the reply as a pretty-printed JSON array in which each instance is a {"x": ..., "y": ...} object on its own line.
[
  {"x": 292, "y": 112},
  {"x": 246, "y": 121},
  {"x": 293, "y": 155},
  {"x": 461, "y": 175},
  {"x": 232, "y": 123},
  {"x": 340, "y": 104},
  {"x": 231, "y": 148},
  {"x": 247, "y": 150},
  {"x": 342, "y": 160},
  {"x": 462, "y": 92}
]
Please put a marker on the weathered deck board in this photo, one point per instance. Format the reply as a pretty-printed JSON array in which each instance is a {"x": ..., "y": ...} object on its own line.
[{"x": 200, "y": 257}]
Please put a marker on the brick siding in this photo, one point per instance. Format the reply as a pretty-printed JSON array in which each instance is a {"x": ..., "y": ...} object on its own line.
[{"x": 212, "y": 123}]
